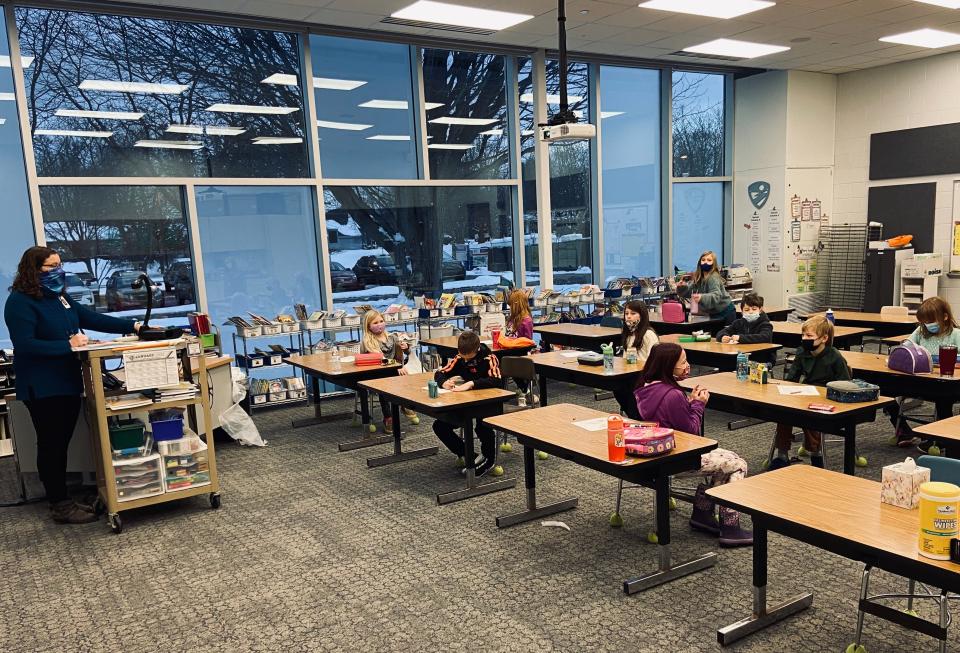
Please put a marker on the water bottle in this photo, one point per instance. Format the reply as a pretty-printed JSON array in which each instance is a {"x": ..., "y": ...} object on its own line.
[
  {"x": 743, "y": 367},
  {"x": 829, "y": 316},
  {"x": 607, "y": 351}
]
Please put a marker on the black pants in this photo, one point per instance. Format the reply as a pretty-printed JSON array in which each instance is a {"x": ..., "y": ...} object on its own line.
[
  {"x": 54, "y": 419},
  {"x": 628, "y": 402},
  {"x": 453, "y": 442}
]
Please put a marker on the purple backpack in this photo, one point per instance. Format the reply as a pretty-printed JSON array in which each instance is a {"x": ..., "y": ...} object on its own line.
[{"x": 910, "y": 358}]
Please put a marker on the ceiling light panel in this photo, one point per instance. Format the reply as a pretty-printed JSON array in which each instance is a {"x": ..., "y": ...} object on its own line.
[
  {"x": 250, "y": 108},
  {"x": 72, "y": 132},
  {"x": 925, "y": 38},
  {"x": 106, "y": 115},
  {"x": 551, "y": 98},
  {"x": 475, "y": 122},
  {"x": 448, "y": 14},
  {"x": 281, "y": 79},
  {"x": 492, "y": 132},
  {"x": 169, "y": 145},
  {"x": 388, "y": 137},
  {"x": 210, "y": 130},
  {"x": 401, "y": 105},
  {"x": 132, "y": 87},
  {"x": 450, "y": 146},
  {"x": 736, "y": 49},
  {"x": 24, "y": 61},
  {"x": 348, "y": 126},
  {"x": 949, "y": 4},
  {"x": 336, "y": 84},
  {"x": 277, "y": 140},
  {"x": 708, "y": 8},
  {"x": 610, "y": 114}
]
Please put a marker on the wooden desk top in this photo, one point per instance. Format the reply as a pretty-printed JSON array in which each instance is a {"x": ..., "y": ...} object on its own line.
[
  {"x": 555, "y": 425},
  {"x": 858, "y": 316},
  {"x": 558, "y": 360},
  {"x": 322, "y": 364},
  {"x": 412, "y": 389},
  {"x": 657, "y": 318},
  {"x": 796, "y": 329},
  {"x": 714, "y": 347},
  {"x": 894, "y": 341},
  {"x": 948, "y": 429},
  {"x": 726, "y": 384},
  {"x": 579, "y": 330},
  {"x": 449, "y": 342},
  {"x": 861, "y": 360},
  {"x": 840, "y": 505},
  {"x": 212, "y": 362}
]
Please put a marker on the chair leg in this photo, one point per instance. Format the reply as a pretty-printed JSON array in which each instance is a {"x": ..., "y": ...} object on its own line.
[
  {"x": 616, "y": 520},
  {"x": 911, "y": 588}
]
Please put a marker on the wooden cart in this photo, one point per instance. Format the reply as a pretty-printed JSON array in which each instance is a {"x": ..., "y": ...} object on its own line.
[{"x": 93, "y": 365}]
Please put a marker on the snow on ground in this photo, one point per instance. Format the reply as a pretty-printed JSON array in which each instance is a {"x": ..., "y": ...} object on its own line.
[{"x": 349, "y": 257}]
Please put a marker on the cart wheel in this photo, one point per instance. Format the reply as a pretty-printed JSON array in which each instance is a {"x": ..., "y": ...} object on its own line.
[
  {"x": 116, "y": 524},
  {"x": 215, "y": 500},
  {"x": 506, "y": 447},
  {"x": 861, "y": 461},
  {"x": 801, "y": 452},
  {"x": 856, "y": 648},
  {"x": 496, "y": 471},
  {"x": 542, "y": 455},
  {"x": 616, "y": 521},
  {"x": 673, "y": 503},
  {"x": 652, "y": 538}
]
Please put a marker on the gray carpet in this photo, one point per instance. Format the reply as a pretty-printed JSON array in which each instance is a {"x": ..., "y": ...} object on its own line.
[{"x": 313, "y": 551}]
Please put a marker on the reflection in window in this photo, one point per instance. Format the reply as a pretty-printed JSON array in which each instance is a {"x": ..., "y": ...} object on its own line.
[
  {"x": 17, "y": 223},
  {"x": 465, "y": 96},
  {"x": 570, "y": 199},
  {"x": 365, "y": 117},
  {"x": 123, "y": 96},
  {"x": 698, "y": 124},
  {"x": 108, "y": 235},
  {"x": 630, "y": 114},
  {"x": 390, "y": 244},
  {"x": 697, "y": 209},
  {"x": 528, "y": 166}
]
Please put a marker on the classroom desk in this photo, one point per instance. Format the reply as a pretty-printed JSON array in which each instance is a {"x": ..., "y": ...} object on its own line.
[
  {"x": 945, "y": 429},
  {"x": 789, "y": 334},
  {"x": 552, "y": 429},
  {"x": 842, "y": 515},
  {"x": 695, "y": 323},
  {"x": 578, "y": 336},
  {"x": 459, "y": 408},
  {"x": 929, "y": 387},
  {"x": 559, "y": 366},
  {"x": 895, "y": 341},
  {"x": 446, "y": 347},
  {"x": 765, "y": 402},
  {"x": 883, "y": 325},
  {"x": 719, "y": 355}
]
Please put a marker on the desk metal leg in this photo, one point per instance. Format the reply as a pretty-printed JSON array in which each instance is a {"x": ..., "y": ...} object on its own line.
[
  {"x": 667, "y": 571},
  {"x": 533, "y": 512},
  {"x": 473, "y": 489},
  {"x": 368, "y": 440},
  {"x": 398, "y": 454},
  {"x": 543, "y": 390},
  {"x": 762, "y": 616},
  {"x": 850, "y": 450},
  {"x": 318, "y": 416}
]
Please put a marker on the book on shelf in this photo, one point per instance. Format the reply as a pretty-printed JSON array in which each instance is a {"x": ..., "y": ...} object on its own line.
[
  {"x": 448, "y": 300},
  {"x": 360, "y": 309},
  {"x": 128, "y": 401}
]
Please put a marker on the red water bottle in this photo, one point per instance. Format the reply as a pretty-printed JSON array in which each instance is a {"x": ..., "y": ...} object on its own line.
[{"x": 615, "y": 447}]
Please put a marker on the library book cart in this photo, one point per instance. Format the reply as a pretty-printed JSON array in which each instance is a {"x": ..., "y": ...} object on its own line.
[{"x": 180, "y": 468}]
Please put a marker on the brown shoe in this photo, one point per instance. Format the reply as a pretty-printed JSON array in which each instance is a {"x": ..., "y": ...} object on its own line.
[{"x": 68, "y": 512}]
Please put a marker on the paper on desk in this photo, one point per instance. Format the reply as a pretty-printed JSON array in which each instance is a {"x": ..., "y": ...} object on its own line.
[
  {"x": 440, "y": 391},
  {"x": 570, "y": 354},
  {"x": 595, "y": 424},
  {"x": 799, "y": 390}
]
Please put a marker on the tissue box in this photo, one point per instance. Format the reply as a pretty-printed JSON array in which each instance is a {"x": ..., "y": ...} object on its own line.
[{"x": 900, "y": 483}]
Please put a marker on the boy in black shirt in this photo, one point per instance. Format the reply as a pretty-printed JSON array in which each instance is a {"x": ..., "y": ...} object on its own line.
[
  {"x": 752, "y": 327},
  {"x": 478, "y": 369}
]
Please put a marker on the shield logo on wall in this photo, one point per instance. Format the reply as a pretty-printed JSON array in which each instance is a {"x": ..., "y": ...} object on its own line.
[{"x": 759, "y": 192}]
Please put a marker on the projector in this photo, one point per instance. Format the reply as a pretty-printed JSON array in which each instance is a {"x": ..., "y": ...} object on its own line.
[{"x": 567, "y": 132}]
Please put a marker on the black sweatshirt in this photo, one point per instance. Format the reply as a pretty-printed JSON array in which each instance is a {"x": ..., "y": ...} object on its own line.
[
  {"x": 760, "y": 330},
  {"x": 483, "y": 369}
]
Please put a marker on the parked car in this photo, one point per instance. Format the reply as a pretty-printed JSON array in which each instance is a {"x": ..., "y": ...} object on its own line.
[
  {"x": 121, "y": 296},
  {"x": 342, "y": 278},
  {"x": 375, "y": 271},
  {"x": 453, "y": 270},
  {"x": 78, "y": 290},
  {"x": 179, "y": 280}
]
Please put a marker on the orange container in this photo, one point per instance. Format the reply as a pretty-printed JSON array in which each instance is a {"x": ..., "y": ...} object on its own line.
[{"x": 616, "y": 450}]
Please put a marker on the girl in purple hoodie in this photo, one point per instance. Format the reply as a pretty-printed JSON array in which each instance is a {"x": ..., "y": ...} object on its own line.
[{"x": 661, "y": 399}]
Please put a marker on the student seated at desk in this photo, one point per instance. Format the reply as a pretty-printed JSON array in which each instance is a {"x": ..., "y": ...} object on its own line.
[
  {"x": 816, "y": 362},
  {"x": 937, "y": 328},
  {"x": 376, "y": 340},
  {"x": 637, "y": 334},
  {"x": 478, "y": 369},
  {"x": 708, "y": 290},
  {"x": 752, "y": 327},
  {"x": 661, "y": 399}
]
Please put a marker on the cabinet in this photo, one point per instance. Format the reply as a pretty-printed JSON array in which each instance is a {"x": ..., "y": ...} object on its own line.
[{"x": 919, "y": 279}]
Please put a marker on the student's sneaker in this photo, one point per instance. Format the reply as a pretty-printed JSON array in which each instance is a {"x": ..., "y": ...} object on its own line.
[
  {"x": 731, "y": 534},
  {"x": 484, "y": 466},
  {"x": 412, "y": 414},
  {"x": 778, "y": 462},
  {"x": 68, "y": 512},
  {"x": 388, "y": 425},
  {"x": 476, "y": 464}
]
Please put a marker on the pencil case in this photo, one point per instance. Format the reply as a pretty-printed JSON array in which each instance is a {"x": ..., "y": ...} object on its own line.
[
  {"x": 374, "y": 358},
  {"x": 646, "y": 442},
  {"x": 852, "y": 392}
]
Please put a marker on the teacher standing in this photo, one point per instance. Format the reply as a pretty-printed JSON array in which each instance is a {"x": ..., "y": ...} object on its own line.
[{"x": 44, "y": 323}]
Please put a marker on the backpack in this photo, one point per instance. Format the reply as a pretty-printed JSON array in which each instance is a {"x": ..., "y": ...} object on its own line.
[
  {"x": 910, "y": 358},
  {"x": 672, "y": 312}
]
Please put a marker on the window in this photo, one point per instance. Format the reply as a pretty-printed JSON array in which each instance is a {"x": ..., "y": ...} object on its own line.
[
  {"x": 697, "y": 222},
  {"x": 528, "y": 169},
  {"x": 466, "y": 105},
  {"x": 365, "y": 108},
  {"x": 108, "y": 236},
  {"x": 698, "y": 124},
  {"x": 630, "y": 115},
  {"x": 17, "y": 224},
  {"x": 259, "y": 248},
  {"x": 570, "y": 194},
  {"x": 120, "y": 96},
  {"x": 394, "y": 243}
]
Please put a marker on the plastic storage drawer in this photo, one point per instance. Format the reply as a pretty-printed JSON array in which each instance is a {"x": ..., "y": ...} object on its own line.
[
  {"x": 184, "y": 463},
  {"x": 138, "y": 478}
]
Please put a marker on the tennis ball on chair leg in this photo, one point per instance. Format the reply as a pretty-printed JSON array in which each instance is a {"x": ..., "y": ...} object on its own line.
[
  {"x": 652, "y": 538},
  {"x": 934, "y": 450},
  {"x": 496, "y": 471},
  {"x": 616, "y": 521},
  {"x": 542, "y": 455},
  {"x": 861, "y": 461},
  {"x": 801, "y": 452},
  {"x": 506, "y": 447}
]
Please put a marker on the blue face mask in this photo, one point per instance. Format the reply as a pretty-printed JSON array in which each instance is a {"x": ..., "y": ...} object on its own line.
[
  {"x": 751, "y": 317},
  {"x": 933, "y": 328},
  {"x": 706, "y": 267},
  {"x": 54, "y": 280}
]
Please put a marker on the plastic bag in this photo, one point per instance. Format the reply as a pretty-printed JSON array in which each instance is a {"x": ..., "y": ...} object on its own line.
[
  {"x": 413, "y": 365},
  {"x": 240, "y": 426},
  {"x": 239, "y": 390}
]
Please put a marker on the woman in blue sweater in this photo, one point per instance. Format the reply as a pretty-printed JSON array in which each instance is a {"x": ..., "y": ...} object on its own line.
[{"x": 44, "y": 325}]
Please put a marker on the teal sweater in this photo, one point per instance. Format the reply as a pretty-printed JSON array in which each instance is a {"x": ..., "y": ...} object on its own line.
[
  {"x": 714, "y": 298},
  {"x": 40, "y": 330},
  {"x": 933, "y": 343}
]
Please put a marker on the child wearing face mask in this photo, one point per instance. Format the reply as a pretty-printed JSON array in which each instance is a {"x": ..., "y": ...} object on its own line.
[
  {"x": 636, "y": 334},
  {"x": 816, "y": 362},
  {"x": 661, "y": 399},
  {"x": 376, "y": 339},
  {"x": 753, "y": 326},
  {"x": 937, "y": 328},
  {"x": 708, "y": 290}
]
